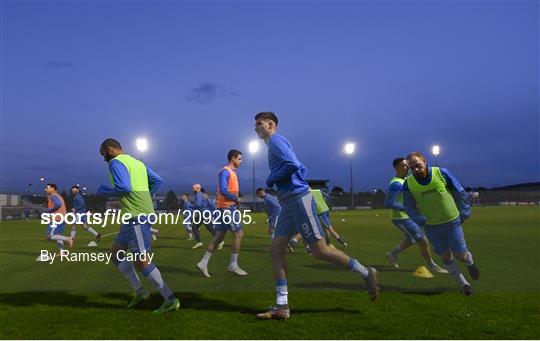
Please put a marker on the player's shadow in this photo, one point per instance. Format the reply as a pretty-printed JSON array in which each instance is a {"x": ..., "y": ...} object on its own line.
[
  {"x": 189, "y": 272},
  {"x": 384, "y": 288},
  {"x": 385, "y": 267},
  {"x": 334, "y": 268},
  {"x": 257, "y": 237},
  {"x": 176, "y": 247},
  {"x": 189, "y": 301},
  {"x": 194, "y": 301},
  {"x": 55, "y": 298},
  {"x": 34, "y": 254},
  {"x": 324, "y": 266},
  {"x": 256, "y": 249}
]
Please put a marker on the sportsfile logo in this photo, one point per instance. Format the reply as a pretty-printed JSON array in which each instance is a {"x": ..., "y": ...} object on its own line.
[{"x": 117, "y": 217}]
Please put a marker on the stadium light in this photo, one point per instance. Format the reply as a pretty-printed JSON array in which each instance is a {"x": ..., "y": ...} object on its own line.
[
  {"x": 42, "y": 179},
  {"x": 349, "y": 150},
  {"x": 142, "y": 145},
  {"x": 253, "y": 147},
  {"x": 436, "y": 150}
]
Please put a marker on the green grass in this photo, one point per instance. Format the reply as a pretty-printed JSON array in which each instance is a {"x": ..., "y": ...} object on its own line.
[{"x": 87, "y": 300}]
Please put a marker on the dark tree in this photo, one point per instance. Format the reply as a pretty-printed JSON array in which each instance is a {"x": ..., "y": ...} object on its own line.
[{"x": 171, "y": 201}]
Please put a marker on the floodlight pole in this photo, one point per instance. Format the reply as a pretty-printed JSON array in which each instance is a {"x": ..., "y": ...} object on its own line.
[
  {"x": 253, "y": 207},
  {"x": 351, "y": 175}
]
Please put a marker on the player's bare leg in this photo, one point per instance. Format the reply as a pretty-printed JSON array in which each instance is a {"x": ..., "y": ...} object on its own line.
[
  {"x": 321, "y": 251},
  {"x": 392, "y": 255},
  {"x": 453, "y": 269},
  {"x": 279, "y": 267},
  {"x": 128, "y": 270},
  {"x": 235, "y": 249},
  {"x": 213, "y": 245},
  {"x": 423, "y": 245}
]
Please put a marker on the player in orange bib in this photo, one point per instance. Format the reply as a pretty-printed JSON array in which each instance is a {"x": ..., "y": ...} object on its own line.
[
  {"x": 227, "y": 215},
  {"x": 57, "y": 208}
]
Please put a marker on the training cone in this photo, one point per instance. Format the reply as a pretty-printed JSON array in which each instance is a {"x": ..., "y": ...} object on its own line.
[
  {"x": 42, "y": 258},
  {"x": 422, "y": 272},
  {"x": 92, "y": 244}
]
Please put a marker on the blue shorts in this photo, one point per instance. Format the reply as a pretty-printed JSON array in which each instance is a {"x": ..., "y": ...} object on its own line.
[
  {"x": 325, "y": 219},
  {"x": 410, "y": 229},
  {"x": 447, "y": 236},
  {"x": 58, "y": 230},
  {"x": 137, "y": 237},
  {"x": 299, "y": 215},
  {"x": 229, "y": 216}
]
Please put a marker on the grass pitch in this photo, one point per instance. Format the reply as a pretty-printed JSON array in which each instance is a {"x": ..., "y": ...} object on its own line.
[{"x": 87, "y": 300}]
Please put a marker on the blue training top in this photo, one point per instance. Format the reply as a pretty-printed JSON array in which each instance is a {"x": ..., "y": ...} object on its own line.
[
  {"x": 273, "y": 208},
  {"x": 286, "y": 171}
]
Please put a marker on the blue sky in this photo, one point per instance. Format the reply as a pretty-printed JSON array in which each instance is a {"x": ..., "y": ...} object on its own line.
[{"x": 394, "y": 77}]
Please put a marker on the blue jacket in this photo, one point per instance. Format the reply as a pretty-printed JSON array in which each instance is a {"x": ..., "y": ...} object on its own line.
[
  {"x": 286, "y": 171},
  {"x": 273, "y": 208},
  {"x": 79, "y": 204}
]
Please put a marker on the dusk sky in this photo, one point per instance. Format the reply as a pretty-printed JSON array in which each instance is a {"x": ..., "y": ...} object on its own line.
[{"x": 394, "y": 77}]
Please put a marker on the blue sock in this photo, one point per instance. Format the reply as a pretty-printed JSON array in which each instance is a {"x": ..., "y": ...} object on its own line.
[{"x": 355, "y": 266}]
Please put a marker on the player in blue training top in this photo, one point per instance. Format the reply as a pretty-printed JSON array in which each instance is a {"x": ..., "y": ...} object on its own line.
[
  {"x": 228, "y": 208},
  {"x": 187, "y": 212},
  {"x": 134, "y": 183},
  {"x": 79, "y": 208},
  {"x": 199, "y": 207},
  {"x": 413, "y": 232},
  {"x": 298, "y": 211},
  {"x": 434, "y": 198},
  {"x": 272, "y": 209}
]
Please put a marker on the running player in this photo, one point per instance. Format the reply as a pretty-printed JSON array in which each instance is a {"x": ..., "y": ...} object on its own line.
[
  {"x": 227, "y": 204},
  {"x": 298, "y": 211},
  {"x": 435, "y": 199},
  {"x": 187, "y": 212},
  {"x": 133, "y": 182},
  {"x": 57, "y": 207},
  {"x": 211, "y": 206},
  {"x": 79, "y": 208},
  {"x": 323, "y": 211},
  {"x": 413, "y": 232},
  {"x": 198, "y": 218}
]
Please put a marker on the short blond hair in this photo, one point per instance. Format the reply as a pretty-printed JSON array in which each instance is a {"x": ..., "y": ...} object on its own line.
[{"x": 417, "y": 154}]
